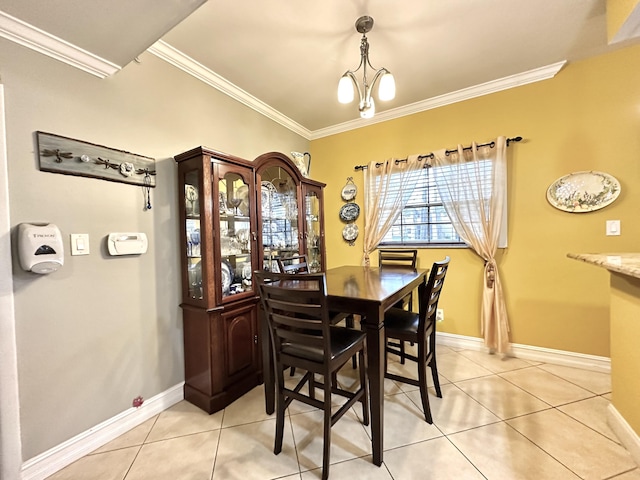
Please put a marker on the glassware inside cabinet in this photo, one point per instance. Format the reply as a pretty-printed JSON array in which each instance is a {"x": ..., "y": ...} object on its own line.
[
  {"x": 312, "y": 219},
  {"x": 192, "y": 234},
  {"x": 279, "y": 203},
  {"x": 235, "y": 234}
]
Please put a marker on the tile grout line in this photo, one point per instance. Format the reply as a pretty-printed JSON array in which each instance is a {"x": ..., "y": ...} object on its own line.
[
  {"x": 126, "y": 474},
  {"x": 215, "y": 455}
]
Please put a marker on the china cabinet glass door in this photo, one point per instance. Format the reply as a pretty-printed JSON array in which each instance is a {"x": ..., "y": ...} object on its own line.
[
  {"x": 313, "y": 234},
  {"x": 235, "y": 234},
  {"x": 192, "y": 226},
  {"x": 280, "y": 229}
]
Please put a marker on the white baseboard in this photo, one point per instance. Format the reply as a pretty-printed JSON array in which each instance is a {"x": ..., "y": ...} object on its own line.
[
  {"x": 528, "y": 352},
  {"x": 624, "y": 432},
  {"x": 55, "y": 459}
]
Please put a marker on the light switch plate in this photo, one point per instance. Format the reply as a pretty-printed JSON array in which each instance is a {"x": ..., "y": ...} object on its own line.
[
  {"x": 613, "y": 227},
  {"x": 80, "y": 244}
]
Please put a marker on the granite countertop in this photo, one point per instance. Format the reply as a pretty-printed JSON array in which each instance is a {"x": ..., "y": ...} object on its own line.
[{"x": 627, "y": 263}]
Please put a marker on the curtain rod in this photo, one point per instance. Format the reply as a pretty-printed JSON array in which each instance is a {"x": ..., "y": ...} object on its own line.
[{"x": 447, "y": 152}]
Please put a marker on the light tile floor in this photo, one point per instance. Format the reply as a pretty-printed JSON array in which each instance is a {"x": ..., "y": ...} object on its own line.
[{"x": 498, "y": 419}]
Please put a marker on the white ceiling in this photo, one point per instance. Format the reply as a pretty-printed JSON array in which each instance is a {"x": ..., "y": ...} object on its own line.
[{"x": 289, "y": 55}]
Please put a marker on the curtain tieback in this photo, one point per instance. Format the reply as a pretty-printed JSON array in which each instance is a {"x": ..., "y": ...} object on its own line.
[{"x": 490, "y": 272}]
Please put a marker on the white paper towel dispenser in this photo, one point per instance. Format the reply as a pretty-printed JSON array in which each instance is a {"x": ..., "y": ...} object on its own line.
[
  {"x": 40, "y": 247},
  {"x": 127, "y": 243}
]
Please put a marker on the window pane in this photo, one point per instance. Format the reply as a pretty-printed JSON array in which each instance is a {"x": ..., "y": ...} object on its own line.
[{"x": 424, "y": 219}]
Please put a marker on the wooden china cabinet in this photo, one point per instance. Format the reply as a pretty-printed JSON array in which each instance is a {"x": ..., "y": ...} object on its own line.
[
  {"x": 218, "y": 251},
  {"x": 236, "y": 217}
]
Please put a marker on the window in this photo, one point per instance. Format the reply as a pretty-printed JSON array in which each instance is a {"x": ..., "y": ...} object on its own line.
[{"x": 424, "y": 220}]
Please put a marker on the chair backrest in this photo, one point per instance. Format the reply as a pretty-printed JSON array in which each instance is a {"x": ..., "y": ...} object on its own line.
[
  {"x": 296, "y": 310},
  {"x": 433, "y": 289},
  {"x": 397, "y": 258},
  {"x": 295, "y": 264}
]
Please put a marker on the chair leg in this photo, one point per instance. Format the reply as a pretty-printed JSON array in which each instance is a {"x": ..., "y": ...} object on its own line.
[
  {"x": 365, "y": 387},
  {"x": 350, "y": 323},
  {"x": 434, "y": 373},
  {"x": 411, "y": 310},
  {"x": 433, "y": 363},
  {"x": 422, "y": 379},
  {"x": 280, "y": 401},
  {"x": 292, "y": 371},
  {"x": 402, "y": 352},
  {"x": 326, "y": 450}
]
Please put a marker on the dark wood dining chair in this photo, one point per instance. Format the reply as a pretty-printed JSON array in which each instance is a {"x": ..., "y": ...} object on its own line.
[
  {"x": 399, "y": 258},
  {"x": 302, "y": 335},
  {"x": 298, "y": 264},
  {"x": 420, "y": 328},
  {"x": 295, "y": 264}
]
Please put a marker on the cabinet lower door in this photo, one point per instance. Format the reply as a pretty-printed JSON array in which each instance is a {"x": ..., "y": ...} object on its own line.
[
  {"x": 241, "y": 342},
  {"x": 222, "y": 355}
]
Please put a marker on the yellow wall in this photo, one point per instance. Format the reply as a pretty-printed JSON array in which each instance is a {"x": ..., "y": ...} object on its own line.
[
  {"x": 586, "y": 118},
  {"x": 625, "y": 355}
]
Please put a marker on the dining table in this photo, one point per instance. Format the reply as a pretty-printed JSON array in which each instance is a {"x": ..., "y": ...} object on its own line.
[{"x": 367, "y": 292}]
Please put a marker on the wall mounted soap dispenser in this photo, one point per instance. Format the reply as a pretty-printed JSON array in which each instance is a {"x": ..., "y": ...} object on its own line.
[{"x": 40, "y": 247}]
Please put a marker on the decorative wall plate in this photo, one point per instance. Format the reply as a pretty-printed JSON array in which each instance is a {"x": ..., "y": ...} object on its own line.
[
  {"x": 350, "y": 232},
  {"x": 349, "y": 192},
  {"x": 581, "y": 192},
  {"x": 349, "y": 212}
]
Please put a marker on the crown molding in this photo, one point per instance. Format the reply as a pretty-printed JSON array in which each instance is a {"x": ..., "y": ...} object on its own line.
[
  {"x": 40, "y": 41},
  {"x": 188, "y": 65},
  {"x": 31, "y": 37},
  {"x": 505, "y": 83}
]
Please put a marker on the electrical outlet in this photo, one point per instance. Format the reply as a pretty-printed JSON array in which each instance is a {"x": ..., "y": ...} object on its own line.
[{"x": 439, "y": 315}]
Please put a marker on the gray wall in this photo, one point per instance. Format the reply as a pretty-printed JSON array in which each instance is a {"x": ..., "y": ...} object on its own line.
[{"x": 103, "y": 330}]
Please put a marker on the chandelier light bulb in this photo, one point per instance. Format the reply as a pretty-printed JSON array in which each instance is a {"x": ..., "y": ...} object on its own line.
[
  {"x": 387, "y": 88},
  {"x": 345, "y": 89}
]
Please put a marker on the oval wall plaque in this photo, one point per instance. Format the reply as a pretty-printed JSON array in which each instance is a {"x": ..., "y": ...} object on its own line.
[{"x": 581, "y": 192}]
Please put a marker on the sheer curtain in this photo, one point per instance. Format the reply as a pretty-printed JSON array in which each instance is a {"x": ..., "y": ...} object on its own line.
[
  {"x": 472, "y": 186},
  {"x": 387, "y": 188}
]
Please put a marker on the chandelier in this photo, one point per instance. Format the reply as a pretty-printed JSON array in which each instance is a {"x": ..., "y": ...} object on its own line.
[{"x": 387, "y": 88}]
